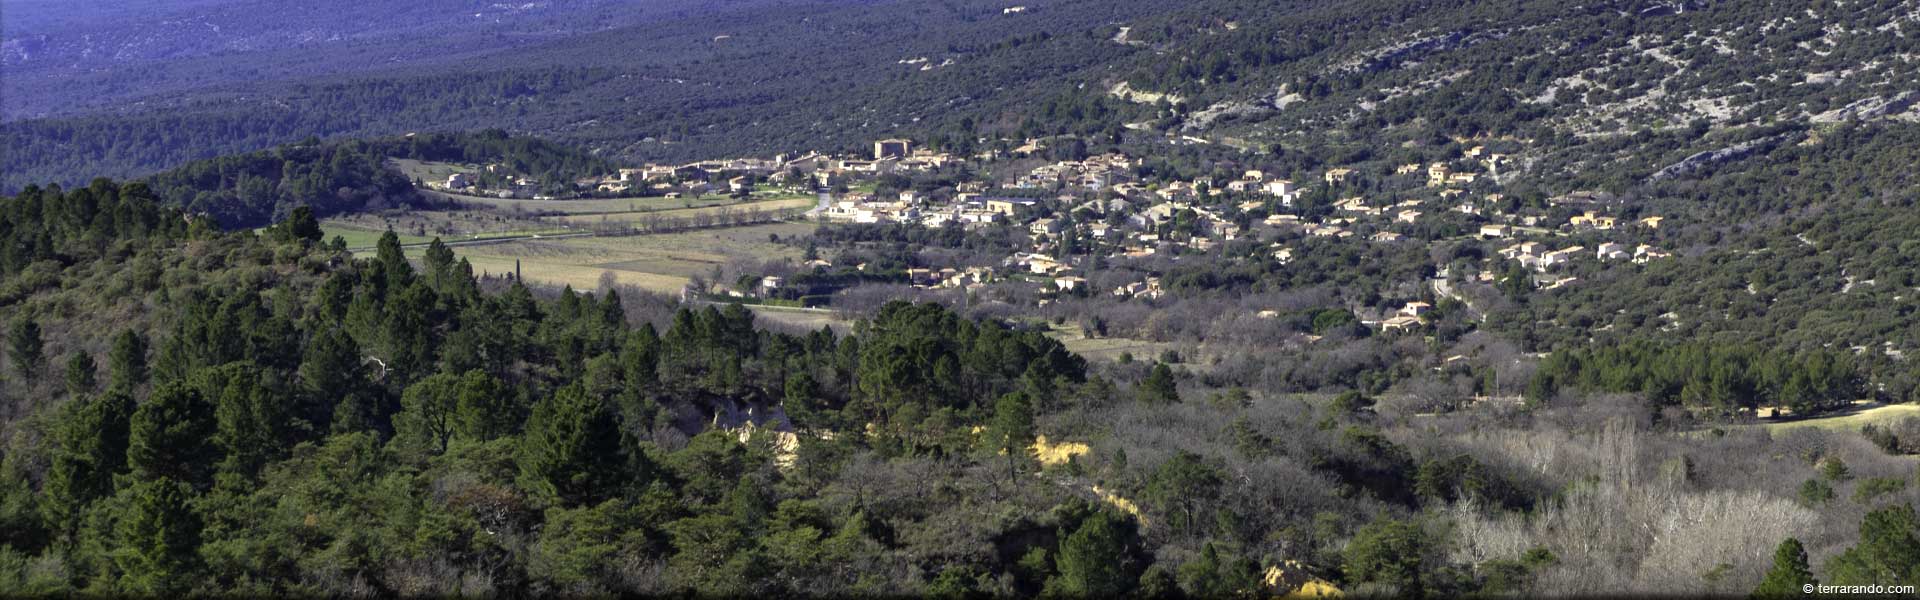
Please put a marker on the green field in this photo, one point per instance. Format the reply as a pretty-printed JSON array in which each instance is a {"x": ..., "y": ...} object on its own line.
[{"x": 365, "y": 238}]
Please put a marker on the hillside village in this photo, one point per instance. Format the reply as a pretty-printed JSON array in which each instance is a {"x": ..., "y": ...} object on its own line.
[{"x": 1104, "y": 213}]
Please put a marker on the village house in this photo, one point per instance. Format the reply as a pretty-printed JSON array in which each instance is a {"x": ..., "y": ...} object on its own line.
[
  {"x": 1613, "y": 251},
  {"x": 1328, "y": 231},
  {"x": 1007, "y": 206},
  {"x": 1591, "y": 220},
  {"x": 1356, "y": 204},
  {"x": 1041, "y": 264},
  {"x": 894, "y": 148},
  {"x": 1560, "y": 257},
  {"x": 1282, "y": 220},
  {"x": 1283, "y": 188},
  {"x": 1645, "y": 253},
  {"x": 1337, "y": 176},
  {"x": 1437, "y": 174},
  {"x": 1402, "y": 323}
]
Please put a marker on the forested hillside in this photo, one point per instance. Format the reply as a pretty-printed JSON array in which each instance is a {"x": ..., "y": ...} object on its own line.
[
  {"x": 331, "y": 178},
  {"x": 189, "y": 410}
]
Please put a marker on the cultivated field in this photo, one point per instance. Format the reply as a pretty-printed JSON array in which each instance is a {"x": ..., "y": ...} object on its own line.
[
  {"x": 1110, "y": 348},
  {"x": 1849, "y": 420},
  {"x": 429, "y": 171},
  {"x": 661, "y": 262},
  {"x": 790, "y": 203},
  {"x": 421, "y": 226},
  {"x": 605, "y": 205}
]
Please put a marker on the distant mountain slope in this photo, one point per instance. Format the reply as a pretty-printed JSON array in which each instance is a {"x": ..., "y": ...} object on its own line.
[
  {"x": 745, "y": 77},
  {"x": 65, "y": 58},
  {"x": 1572, "y": 77},
  {"x": 1607, "y": 93}
]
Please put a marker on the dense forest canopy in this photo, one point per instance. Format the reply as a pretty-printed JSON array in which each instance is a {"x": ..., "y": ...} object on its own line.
[
  {"x": 331, "y": 178},
  {"x": 260, "y": 412}
]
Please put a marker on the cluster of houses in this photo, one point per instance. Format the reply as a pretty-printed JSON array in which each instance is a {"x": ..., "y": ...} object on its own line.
[
  {"x": 506, "y": 184},
  {"x": 1093, "y": 174},
  {"x": 737, "y": 175},
  {"x": 1099, "y": 205},
  {"x": 1534, "y": 255},
  {"x": 967, "y": 209}
]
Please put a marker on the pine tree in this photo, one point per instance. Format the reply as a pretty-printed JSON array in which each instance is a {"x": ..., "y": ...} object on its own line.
[
  {"x": 159, "y": 539},
  {"x": 429, "y": 414},
  {"x": 1888, "y": 552},
  {"x": 571, "y": 447},
  {"x": 393, "y": 262},
  {"x": 439, "y": 263},
  {"x": 251, "y": 419},
  {"x": 172, "y": 437},
  {"x": 90, "y": 446},
  {"x": 1012, "y": 430},
  {"x": 127, "y": 361},
  {"x": 487, "y": 409},
  {"x": 1390, "y": 552},
  {"x": 81, "y": 376},
  {"x": 334, "y": 390},
  {"x": 1095, "y": 561},
  {"x": 301, "y": 225},
  {"x": 1789, "y": 574},
  {"x": 25, "y": 345},
  {"x": 1180, "y": 484},
  {"x": 1159, "y": 386}
]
